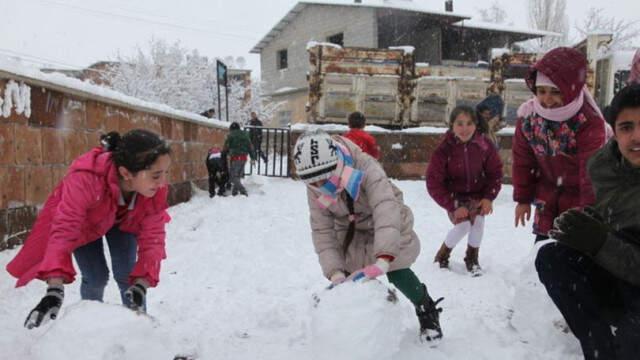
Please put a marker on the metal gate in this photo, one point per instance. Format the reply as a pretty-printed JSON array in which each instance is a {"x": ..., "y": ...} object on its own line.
[{"x": 272, "y": 148}]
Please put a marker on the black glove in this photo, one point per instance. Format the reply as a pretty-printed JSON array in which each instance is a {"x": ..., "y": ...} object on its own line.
[
  {"x": 47, "y": 308},
  {"x": 585, "y": 231},
  {"x": 136, "y": 294}
]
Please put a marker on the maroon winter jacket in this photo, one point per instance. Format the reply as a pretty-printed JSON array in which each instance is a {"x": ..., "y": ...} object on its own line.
[
  {"x": 364, "y": 140},
  {"x": 550, "y": 157},
  {"x": 462, "y": 171}
]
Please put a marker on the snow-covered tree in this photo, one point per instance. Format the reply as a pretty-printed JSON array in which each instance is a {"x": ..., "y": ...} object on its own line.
[
  {"x": 494, "y": 14},
  {"x": 185, "y": 80},
  {"x": 549, "y": 15},
  {"x": 624, "y": 31}
]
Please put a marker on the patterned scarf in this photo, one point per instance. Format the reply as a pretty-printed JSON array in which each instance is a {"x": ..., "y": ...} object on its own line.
[{"x": 344, "y": 177}]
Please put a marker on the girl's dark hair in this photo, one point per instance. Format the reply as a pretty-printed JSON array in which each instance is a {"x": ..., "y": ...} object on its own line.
[
  {"x": 481, "y": 126},
  {"x": 136, "y": 150}
]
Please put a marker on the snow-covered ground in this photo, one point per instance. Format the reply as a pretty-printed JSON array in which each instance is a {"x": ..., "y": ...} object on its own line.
[{"x": 240, "y": 279}]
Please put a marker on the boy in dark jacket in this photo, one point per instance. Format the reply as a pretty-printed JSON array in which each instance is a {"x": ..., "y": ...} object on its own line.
[
  {"x": 592, "y": 273},
  {"x": 238, "y": 147},
  {"x": 358, "y": 136},
  {"x": 218, "y": 171}
]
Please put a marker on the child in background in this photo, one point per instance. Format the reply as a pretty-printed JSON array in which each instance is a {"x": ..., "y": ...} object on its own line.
[
  {"x": 464, "y": 177},
  {"x": 358, "y": 136}
]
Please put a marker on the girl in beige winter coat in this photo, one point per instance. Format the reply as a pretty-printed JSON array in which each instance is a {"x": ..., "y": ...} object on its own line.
[{"x": 360, "y": 226}]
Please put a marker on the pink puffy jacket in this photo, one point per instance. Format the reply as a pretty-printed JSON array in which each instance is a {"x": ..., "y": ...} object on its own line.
[{"x": 81, "y": 209}]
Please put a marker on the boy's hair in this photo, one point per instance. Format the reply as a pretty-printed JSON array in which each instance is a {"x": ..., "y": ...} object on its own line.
[
  {"x": 629, "y": 97},
  {"x": 234, "y": 126},
  {"x": 481, "y": 125},
  {"x": 136, "y": 150},
  {"x": 357, "y": 120}
]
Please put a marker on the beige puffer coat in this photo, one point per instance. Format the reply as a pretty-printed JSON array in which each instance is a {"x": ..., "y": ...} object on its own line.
[{"x": 384, "y": 224}]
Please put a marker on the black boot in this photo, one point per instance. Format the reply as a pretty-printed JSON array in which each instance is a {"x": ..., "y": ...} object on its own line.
[{"x": 429, "y": 317}]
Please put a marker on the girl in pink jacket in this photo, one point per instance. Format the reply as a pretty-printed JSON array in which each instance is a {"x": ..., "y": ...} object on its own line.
[
  {"x": 464, "y": 177},
  {"x": 117, "y": 191}
]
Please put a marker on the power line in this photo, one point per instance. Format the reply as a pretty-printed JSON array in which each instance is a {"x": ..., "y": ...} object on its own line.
[{"x": 151, "y": 21}]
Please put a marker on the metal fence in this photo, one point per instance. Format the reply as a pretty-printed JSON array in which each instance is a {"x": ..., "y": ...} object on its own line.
[{"x": 272, "y": 148}]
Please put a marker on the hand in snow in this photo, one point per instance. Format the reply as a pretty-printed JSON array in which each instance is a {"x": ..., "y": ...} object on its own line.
[
  {"x": 585, "y": 231},
  {"x": 47, "y": 308},
  {"x": 486, "y": 207},
  {"x": 136, "y": 295},
  {"x": 461, "y": 213},
  {"x": 522, "y": 211},
  {"x": 371, "y": 272}
]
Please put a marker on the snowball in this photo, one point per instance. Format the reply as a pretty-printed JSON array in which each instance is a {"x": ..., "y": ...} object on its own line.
[{"x": 356, "y": 321}]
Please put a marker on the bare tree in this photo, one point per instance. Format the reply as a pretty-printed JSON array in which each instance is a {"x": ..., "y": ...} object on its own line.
[
  {"x": 624, "y": 31},
  {"x": 184, "y": 80},
  {"x": 549, "y": 15},
  {"x": 494, "y": 14}
]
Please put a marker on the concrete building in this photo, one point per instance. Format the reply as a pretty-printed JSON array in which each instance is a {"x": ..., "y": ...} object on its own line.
[{"x": 439, "y": 38}]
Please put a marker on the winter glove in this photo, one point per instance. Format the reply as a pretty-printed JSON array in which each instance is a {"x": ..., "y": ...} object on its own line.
[
  {"x": 585, "y": 231},
  {"x": 371, "y": 272},
  {"x": 136, "y": 295},
  {"x": 47, "y": 308}
]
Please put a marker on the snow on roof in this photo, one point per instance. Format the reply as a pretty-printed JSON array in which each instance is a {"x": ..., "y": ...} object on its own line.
[
  {"x": 313, "y": 43},
  {"x": 60, "y": 82},
  {"x": 379, "y": 4},
  {"x": 408, "y": 49},
  {"x": 474, "y": 24}
]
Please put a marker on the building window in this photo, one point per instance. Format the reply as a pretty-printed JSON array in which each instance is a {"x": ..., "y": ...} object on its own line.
[
  {"x": 337, "y": 39},
  {"x": 283, "y": 62}
]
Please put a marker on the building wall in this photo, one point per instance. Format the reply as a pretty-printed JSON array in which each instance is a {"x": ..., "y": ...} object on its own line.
[
  {"x": 36, "y": 151},
  {"x": 315, "y": 22}
]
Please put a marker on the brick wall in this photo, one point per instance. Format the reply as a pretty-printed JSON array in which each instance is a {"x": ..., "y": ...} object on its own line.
[
  {"x": 35, "y": 151},
  {"x": 409, "y": 158}
]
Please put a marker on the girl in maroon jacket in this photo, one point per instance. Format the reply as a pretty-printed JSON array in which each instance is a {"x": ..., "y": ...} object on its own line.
[
  {"x": 464, "y": 177},
  {"x": 118, "y": 191},
  {"x": 556, "y": 133}
]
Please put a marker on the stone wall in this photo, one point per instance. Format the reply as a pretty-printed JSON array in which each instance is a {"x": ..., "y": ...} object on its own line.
[
  {"x": 406, "y": 155},
  {"x": 36, "y": 150}
]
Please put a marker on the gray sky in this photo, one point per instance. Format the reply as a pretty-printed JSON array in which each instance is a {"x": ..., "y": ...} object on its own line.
[{"x": 80, "y": 32}]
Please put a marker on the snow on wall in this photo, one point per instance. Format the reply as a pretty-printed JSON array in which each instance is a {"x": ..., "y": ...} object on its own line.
[
  {"x": 408, "y": 49},
  {"x": 18, "y": 96},
  {"x": 29, "y": 72}
]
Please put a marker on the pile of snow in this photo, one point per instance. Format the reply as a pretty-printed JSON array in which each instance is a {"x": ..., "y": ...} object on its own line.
[
  {"x": 91, "y": 330},
  {"x": 356, "y": 321},
  {"x": 238, "y": 284},
  {"x": 408, "y": 49},
  {"x": 313, "y": 43}
]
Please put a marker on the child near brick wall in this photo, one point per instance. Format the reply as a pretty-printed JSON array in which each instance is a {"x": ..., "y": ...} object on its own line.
[{"x": 118, "y": 191}]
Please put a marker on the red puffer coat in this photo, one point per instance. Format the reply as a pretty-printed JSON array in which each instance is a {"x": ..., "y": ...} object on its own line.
[{"x": 81, "y": 209}]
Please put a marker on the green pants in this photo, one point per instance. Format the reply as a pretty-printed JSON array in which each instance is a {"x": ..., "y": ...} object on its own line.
[{"x": 408, "y": 283}]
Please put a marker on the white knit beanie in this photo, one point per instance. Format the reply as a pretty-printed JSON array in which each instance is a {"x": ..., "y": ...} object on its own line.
[{"x": 315, "y": 156}]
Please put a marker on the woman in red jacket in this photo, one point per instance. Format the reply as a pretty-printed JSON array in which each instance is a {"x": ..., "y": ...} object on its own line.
[
  {"x": 556, "y": 133},
  {"x": 464, "y": 177},
  {"x": 117, "y": 191}
]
